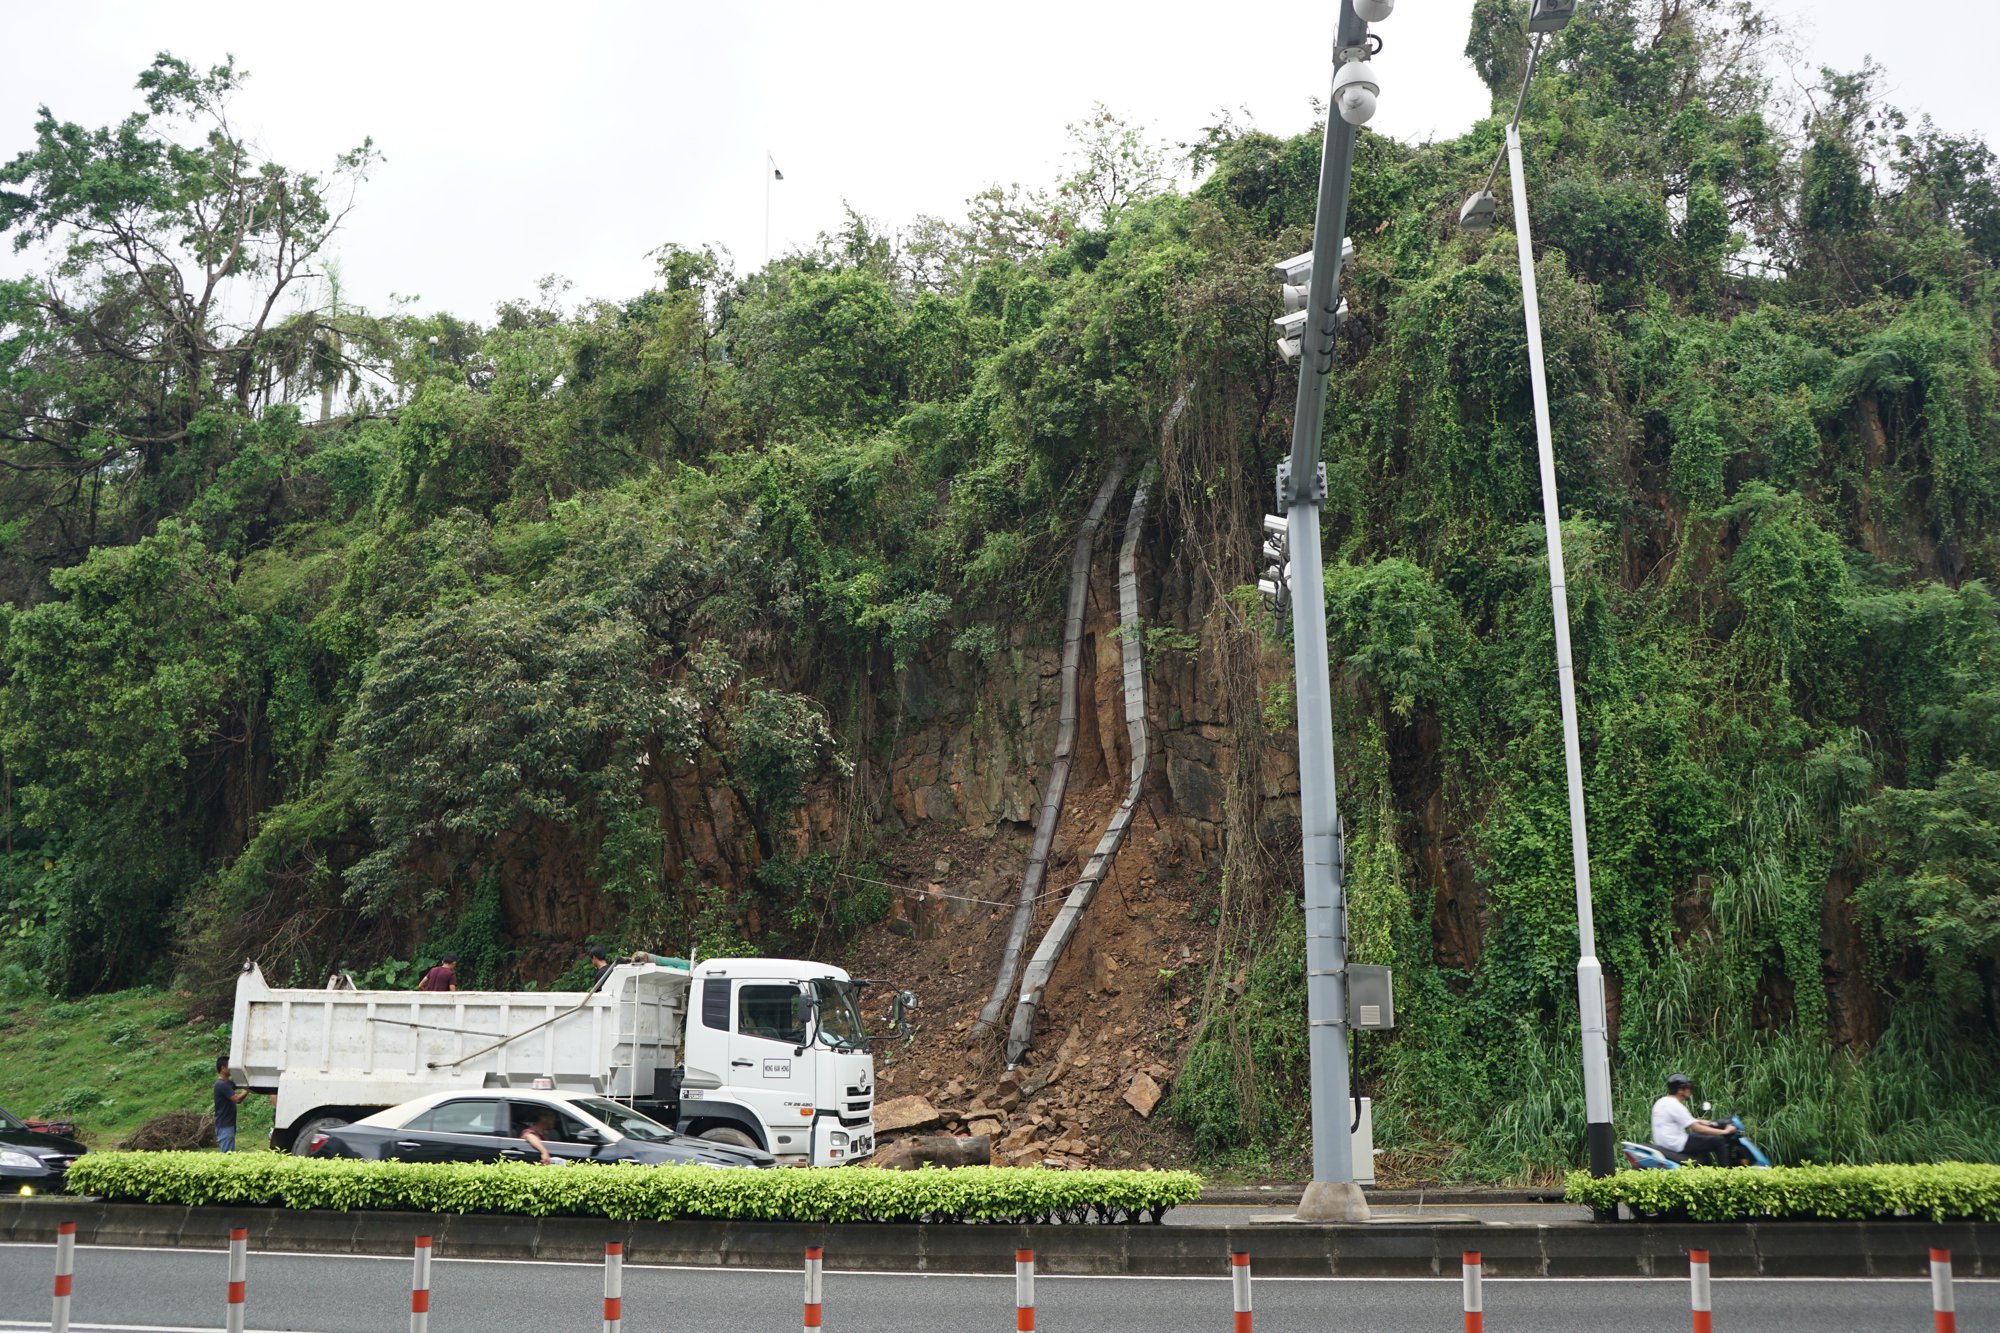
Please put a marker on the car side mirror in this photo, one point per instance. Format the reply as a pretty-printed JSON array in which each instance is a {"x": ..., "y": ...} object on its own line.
[{"x": 588, "y": 1135}]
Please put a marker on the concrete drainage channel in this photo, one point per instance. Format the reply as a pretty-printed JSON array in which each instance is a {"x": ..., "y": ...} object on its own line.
[{"x": 1394, "y": 1249}]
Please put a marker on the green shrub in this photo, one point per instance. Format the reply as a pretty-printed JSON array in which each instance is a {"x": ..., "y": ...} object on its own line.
[
  {"x": 72, "y": 1102},
  {"x": 1940, "y": 1191},
  {"x": 627, "y": 1193}
]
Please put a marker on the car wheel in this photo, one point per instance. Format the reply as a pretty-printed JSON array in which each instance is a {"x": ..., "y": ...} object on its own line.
[
  {"x": 319, "y": 1124},
  {"x": 734, "y": 1137}
]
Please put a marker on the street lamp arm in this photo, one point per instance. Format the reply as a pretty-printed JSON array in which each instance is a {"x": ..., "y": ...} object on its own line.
[{"x": 1520, "y": 104}]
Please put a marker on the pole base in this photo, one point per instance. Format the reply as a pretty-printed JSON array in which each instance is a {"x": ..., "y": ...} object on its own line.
[
  {"x": 1333, "y": 1201},
  {"x": 1603, "y": 1149}
]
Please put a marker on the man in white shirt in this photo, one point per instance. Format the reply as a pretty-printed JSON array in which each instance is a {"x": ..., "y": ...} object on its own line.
[{"x": 1678, "y": 1134}]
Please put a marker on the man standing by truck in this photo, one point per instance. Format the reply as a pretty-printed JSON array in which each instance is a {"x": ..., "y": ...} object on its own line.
[
  {"x": 443, "y": 977},
  {"x": 227, "y": 1095}
]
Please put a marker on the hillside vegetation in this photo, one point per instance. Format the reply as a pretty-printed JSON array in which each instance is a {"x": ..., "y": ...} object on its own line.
[{"x": 348, "y": 636}]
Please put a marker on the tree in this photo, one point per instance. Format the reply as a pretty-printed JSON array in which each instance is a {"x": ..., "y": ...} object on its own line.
[
  {"x": 176, "y": 245},
  {"x": 114, "y": 691}
]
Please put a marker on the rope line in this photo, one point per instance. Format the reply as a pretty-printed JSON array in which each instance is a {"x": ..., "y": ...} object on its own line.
[{"x": 959, "y": 897}]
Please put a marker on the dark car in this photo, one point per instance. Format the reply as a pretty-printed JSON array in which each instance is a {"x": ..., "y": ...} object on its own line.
[
  {"x": 30, "y": 1160},
  {"x": 488, "y": 1126}
]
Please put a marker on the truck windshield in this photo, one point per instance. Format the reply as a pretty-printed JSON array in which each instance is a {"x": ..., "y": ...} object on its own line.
[
  {"x": 839, "y": 1020},
  {"x": 629, "y": 1123}
]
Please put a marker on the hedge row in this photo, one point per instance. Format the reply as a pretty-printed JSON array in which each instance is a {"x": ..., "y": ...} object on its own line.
[
  {"x": 1940, "y": 1191},
  {"x": 638, "y": 1193}
]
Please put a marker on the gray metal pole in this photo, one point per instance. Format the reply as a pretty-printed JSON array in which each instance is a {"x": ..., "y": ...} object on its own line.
[
  {"x": 1332, "y": 1195},
  {"x": 1589, "y": 976},
  {"x": 1325, "y": 898}
]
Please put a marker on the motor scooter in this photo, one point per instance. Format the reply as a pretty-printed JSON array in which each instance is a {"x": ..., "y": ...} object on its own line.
[{"x": 1739, "y": 1149}]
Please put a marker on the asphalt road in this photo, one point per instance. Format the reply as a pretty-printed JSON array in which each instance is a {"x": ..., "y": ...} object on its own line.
[{"x": 165, "y": 1291}]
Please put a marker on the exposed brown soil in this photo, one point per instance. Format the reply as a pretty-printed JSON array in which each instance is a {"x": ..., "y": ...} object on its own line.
[{"x": 1119, "y": 1006}]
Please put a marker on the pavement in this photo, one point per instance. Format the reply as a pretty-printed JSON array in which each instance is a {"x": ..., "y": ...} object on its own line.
[
  {"x": 179, "y": 1291},
  {"x": 1490, "y": 1214}
]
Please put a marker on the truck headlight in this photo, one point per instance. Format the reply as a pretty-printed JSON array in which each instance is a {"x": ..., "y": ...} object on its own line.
[
  {"x": 837, "y": 1141},
  {"x": 18, "y": 1160}
]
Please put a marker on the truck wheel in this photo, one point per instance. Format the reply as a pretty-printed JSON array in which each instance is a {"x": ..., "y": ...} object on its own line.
[
  {"x": 725, "y": 1134},
  {"x": 319, "y": 1124}
]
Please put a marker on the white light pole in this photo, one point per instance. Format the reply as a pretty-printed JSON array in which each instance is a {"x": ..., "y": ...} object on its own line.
[
  {"x": 1478, "y": 215},
  {"x": 771, "y": 173}
]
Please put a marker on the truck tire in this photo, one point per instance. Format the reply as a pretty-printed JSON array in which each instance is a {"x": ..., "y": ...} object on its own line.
[
  {"x": 319, "y": 1124},
  {"x": 731, "y": 1135}
]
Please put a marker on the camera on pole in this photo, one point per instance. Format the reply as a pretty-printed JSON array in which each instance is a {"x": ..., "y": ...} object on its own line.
[
  {"x": 1296, "y": 275},
  {"x": 1275, "y": 581}
]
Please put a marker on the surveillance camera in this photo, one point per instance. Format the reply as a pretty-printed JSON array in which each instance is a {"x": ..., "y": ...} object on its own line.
[
  {"x": 1374, "y": 11},
  {"x": 1355, "y": 92}
]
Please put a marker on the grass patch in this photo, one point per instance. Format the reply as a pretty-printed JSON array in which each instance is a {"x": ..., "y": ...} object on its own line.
[
  {"x": 634, "y": 1193},
  {"x": 112, "y": 1062},
  {"x": 1940, "y": 1191}
]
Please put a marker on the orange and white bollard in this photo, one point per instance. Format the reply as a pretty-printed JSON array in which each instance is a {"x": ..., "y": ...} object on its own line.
[
  {"x": 1698, "y": 1290},
  {"x": 1475, "y": 1305},
  {"x": 420, "y": 1288},
  {"x": 1239, "y": 1277},
  {"x": 814, "y": 1254},
  {"x": 239, "y": 1278},
  {"x": 614, "y": 1285},
  {"x": 65, "y": 1265},
  {"x": 1943, "y": 1309},
  {"x": 1024, "y": 1290}
]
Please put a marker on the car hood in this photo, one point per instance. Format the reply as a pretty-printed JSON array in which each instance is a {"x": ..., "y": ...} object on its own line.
[
  {"x": 40, "y": 1144},
  {"x": 687, "y": 1149}
]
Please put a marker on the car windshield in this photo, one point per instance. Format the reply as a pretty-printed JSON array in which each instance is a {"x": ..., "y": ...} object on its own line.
[
  {"x": 7, "y": 1120},
  {"x": 627, "y": 1122},
  {"x": 839, "y": 1019}
]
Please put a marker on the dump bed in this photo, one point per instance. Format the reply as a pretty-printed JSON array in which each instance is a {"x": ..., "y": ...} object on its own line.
[{"x": 378, "y": 1048}]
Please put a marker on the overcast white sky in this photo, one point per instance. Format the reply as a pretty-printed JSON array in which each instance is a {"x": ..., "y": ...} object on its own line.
[{"x": 531, "y": 139}]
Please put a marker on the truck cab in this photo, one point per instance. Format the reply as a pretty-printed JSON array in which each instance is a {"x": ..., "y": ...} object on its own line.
[{"x": 775, "y": 1058}]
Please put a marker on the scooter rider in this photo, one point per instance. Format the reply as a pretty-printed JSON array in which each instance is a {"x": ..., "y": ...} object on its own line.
[{"x": 1678, "y": 1134}]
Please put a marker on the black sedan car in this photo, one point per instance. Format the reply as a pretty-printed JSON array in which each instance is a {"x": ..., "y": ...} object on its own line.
[
  {"x": 495, "y": 1126},
  {"x": 30, "y": 1160}
]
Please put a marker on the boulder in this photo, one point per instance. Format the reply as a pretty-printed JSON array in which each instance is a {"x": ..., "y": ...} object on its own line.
[
  {"x": 985, "y": 1127},
  {"x": 1018, "y": 1138},
  {"x": 935, "y": 1150},
  {"x": 1142, "y": 1094},
  {"x": 905, "y": 1113}
]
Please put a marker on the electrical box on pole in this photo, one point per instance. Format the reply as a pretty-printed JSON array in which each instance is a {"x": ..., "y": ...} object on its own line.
[{"x": 1371, "y": 999}]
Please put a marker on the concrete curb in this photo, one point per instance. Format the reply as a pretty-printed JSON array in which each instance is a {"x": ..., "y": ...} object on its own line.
[
  {"x": 1570, "y": 1249},
  {"x": 1249, "y": 1196}
]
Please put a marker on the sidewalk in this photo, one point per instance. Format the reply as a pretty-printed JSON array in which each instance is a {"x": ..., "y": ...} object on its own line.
[{"x": 1486, "y": 1212}]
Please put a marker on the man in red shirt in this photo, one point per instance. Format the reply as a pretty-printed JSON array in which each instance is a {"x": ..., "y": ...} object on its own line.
[{"x": 442, "y": 977}]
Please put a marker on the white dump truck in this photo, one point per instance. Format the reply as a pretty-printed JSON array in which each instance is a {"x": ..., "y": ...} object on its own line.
[{"x": 762, "y": 1052}]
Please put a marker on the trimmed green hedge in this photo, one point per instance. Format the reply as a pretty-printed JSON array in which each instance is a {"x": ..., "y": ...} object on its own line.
[
  {"x": 1940, "y": 1191},
  {"x": 638, "y": 1193}
]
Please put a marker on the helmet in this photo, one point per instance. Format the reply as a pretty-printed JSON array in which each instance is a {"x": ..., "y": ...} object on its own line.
[{"x": 1675, "y": 1082}]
